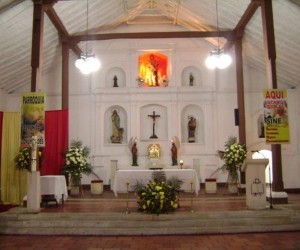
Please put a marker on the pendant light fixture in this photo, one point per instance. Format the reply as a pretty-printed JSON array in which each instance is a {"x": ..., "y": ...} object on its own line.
[
  {"x": 218, "y": 58},
  {"x": 87, "y": 63}
]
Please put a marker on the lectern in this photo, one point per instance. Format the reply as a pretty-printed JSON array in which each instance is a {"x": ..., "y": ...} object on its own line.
[{"x": 255, "y": 183}]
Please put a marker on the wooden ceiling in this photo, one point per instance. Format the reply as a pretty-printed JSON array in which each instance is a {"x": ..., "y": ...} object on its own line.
[{"x": 115, "y": 19}]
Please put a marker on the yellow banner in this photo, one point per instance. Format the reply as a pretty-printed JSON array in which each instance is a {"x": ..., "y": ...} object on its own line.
[
  {"x": 33, "y": 118},
  {"x": 276, "y": 116}
]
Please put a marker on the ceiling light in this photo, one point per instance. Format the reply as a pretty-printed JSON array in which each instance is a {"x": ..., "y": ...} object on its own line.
[
  {"x": 87, "y": 63},
  {"x": 218, "y": 58}
]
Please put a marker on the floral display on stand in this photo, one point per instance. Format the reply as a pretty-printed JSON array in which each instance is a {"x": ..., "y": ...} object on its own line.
[
  {"x": 159, "y": 195},
  {"x": 76, "y": 162},
  {"x": 234, "y": 156},
  {"x": 22, "y": 159}
]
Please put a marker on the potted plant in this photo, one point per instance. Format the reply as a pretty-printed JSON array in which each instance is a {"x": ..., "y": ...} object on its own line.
[
  {"x": 76, "y": 163},
  {"x": 23, "y": 159},
  {"x": 234, "y": 155},
  {"x": 159, "y": 195}
]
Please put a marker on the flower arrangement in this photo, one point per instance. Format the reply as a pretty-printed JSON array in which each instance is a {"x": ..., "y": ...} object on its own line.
[
  {"x": 159, "y": 195},
  {"x": 76, "y": 162},
  {"x": 233, "y": 155},
  {"x": 23, "y": 157}
]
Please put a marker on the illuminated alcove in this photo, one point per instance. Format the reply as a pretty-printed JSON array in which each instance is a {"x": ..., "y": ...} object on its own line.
[{"x": 153, "y": 69}]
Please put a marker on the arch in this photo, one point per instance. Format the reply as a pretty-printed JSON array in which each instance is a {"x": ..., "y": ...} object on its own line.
[
  {"x": 191, "y": 76},
  {"x": 195, "y": 112},
  {"x": 153, "y": 69},
  {"x": 108, "y": 126},
  {"x": 117, "y": 73},
  {"x": 146, "y": 122}
]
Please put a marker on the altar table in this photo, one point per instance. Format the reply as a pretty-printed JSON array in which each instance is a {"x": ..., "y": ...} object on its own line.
[
  {"x": 54, "y": 185},
  {"x": 144, "y": 176}
]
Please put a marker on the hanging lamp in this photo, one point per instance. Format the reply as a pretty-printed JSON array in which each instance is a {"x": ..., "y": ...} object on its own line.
[
  {"x": 218, "y": 58},
  {"x": 88, "y": 62}
]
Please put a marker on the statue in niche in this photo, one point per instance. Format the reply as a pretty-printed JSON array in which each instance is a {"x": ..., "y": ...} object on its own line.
[
  {"x": 191, "y": 79},
  {"x": 191, "y": 129},
  {"x": 153, "y": 116},
  {"x": 115, "y": 81},
  {"x": 117, "y": 131},
  {"x": 132, "y": 145}
]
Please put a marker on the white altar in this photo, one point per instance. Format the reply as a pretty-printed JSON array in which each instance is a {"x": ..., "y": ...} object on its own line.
[
  {"x": 54, "y": 185},
  {"x": 122, "y": 177}
]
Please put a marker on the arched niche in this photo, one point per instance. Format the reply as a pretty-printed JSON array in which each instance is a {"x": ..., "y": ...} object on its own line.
[
  {"x": 108, "y": 128},
  {"x": 153, "y": 69},
  {"x": 146, "y": 122},
  {"x": 197, "y": 113},
  {"x": 115, "y": 77},
  {"x": 188, "y": 73}
]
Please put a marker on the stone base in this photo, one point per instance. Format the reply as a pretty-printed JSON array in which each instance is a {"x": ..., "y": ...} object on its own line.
[
  {"x": 210, "y": 185},
  {"x": 278, "y": 197}
]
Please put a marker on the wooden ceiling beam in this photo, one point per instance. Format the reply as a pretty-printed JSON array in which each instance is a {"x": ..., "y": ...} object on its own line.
[
  {"x": 241, "y": 25},
  {"x": 61, "y": 29},
  {"x": 152, "y": 35}
]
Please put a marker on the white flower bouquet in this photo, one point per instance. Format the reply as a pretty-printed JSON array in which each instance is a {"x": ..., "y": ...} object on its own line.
[{"x": 76, "y": 162}]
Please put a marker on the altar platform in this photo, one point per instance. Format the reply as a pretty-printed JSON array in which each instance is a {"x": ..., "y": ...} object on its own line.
[{"x": 220, "y": 213}]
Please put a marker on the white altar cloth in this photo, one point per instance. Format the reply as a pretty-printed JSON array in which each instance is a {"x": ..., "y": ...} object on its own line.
[
  {"x": 54, "y": 185},
  {"x": 144, "y": 176}
]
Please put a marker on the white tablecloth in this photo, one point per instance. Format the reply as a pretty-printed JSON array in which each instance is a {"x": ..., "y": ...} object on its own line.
[
  {"x": 144, "y": 176},
  {"x": 54, "y": 185}
]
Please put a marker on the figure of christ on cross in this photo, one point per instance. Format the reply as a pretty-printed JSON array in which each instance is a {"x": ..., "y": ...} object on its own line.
[{"x": 153, "y": 116}]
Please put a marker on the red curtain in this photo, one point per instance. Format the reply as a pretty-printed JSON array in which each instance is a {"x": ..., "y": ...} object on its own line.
[
  {"x": 56, "y": 136},
  {"x": 1, "y": 124}
]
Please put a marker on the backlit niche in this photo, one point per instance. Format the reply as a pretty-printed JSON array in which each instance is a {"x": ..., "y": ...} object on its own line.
[{"x": 153, "y": 70}]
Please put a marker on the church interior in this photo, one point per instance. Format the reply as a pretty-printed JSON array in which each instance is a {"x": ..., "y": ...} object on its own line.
[{"x": 154, "y": 103}]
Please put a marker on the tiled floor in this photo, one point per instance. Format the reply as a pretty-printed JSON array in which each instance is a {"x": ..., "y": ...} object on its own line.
[
  {"x": 278, "y": 241},
  {"x": 204, "y": 202}
]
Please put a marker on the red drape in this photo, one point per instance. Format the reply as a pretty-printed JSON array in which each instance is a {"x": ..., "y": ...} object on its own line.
[
  {"x": 56, "y": 136},
  {"x": 1, "y": 124}
]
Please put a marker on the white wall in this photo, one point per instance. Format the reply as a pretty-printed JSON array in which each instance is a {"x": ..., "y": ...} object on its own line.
[{"x": 91, "y": 98}]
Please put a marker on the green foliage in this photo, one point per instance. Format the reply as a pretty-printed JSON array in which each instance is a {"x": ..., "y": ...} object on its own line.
[
  {"x": 76, "y": 162},
  {"x": 159, "y": 195}
]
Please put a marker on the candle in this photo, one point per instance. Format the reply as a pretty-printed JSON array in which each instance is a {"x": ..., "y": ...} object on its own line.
[{"x": 33, "y": 152}]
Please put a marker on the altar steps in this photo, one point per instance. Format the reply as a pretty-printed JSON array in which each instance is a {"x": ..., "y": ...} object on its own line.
[{"x": 281, "y": 218}]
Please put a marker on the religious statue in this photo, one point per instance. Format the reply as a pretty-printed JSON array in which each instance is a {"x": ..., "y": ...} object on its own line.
[
  {"x": 175, "y": 147},
  {"x": 117, "y": 131},
  {"x": 174, "y": 154},
  {"x": 191, "y": 79},
  {"x": 132, "y": 145},
  {"x": 115, "y": 81},
  {"x": 191, "y": 129},
  {"x": 153, "y": 116},
  {"x": 153, "y": 65}
]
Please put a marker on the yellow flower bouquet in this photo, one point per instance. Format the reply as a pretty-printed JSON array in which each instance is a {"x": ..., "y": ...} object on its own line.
[{"x": 159, "y": 195}]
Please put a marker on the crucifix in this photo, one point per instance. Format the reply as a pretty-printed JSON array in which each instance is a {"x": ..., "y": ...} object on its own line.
[{"x": 153, "y": 116}]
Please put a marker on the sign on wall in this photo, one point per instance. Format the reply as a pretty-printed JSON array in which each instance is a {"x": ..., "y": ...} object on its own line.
[
  {"x": 276, "y": 116},
  {"x": 33, "y": 118}
]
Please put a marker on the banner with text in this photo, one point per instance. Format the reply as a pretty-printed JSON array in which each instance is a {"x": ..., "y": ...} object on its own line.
[
  {"x": 276, "y": 116},
  {"x": 33, "y": 118}
]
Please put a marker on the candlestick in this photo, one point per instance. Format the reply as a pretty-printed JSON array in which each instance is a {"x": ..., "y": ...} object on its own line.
[
  {"x": 127, "y": 200},
  {"x": 181, "y": 163}
]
